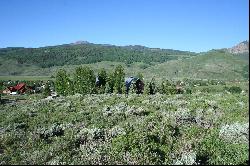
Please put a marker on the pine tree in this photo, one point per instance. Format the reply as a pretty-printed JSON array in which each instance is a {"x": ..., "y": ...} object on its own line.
[{"x": 102, "y": 78}]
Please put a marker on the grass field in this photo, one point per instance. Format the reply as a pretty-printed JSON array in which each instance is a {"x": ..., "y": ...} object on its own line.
[
  {"x": 28, "y": 78},
  {"x": 203, "y": 128}
]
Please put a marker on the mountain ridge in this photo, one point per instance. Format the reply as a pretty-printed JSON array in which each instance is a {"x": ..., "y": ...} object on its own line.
[{"x": 242, "y": 47}]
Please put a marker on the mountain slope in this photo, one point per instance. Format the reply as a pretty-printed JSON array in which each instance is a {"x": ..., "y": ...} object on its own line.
[
  {"x": 86, "y": 53},
  {"x": 211, "y": 65}
]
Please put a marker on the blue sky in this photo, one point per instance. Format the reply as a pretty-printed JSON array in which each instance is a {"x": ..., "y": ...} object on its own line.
[{"x": 193, "y": 25}]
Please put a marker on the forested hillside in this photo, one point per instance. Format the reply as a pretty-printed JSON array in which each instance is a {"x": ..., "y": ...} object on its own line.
[{"x": 87, "y": 53}]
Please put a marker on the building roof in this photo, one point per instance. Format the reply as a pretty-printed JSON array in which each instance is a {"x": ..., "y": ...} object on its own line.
[
  {"x": 129, "y": 80},
  {"x": 19, "y": 86}
]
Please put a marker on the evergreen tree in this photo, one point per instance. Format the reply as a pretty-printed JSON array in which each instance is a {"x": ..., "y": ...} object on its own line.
[
  {"x": 84, "y": 80},
  {"x": 62, "y": 83},
  {"x": 102, "y": 80},
  {"x": 152, "y": 86},
  {"x": 119, "y": 79},
  {"x": 109, "y": 88},
  {"x": 102, "y": 76}
]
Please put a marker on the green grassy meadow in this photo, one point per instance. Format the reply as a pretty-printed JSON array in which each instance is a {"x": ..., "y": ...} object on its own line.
[{"x": 198, "y": 128}]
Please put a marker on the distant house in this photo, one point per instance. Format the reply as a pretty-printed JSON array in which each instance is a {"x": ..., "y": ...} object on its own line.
[
  {"x": 19, "y": 88},
  {"x": 32, "y": 89},
  {"x": 97, "y": 81},
  {"x": 139, "y": 85}
]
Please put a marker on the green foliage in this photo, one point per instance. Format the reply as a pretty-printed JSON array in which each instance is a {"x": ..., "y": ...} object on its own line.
[
  {"x": 151, "y": 87},
  {"x": 150, "y": 145},
  {"x": 102, "y": 76},
  {"x": 62, "y": 83},
  {"x": 119, "y": 77},
  {"x": 84, "y": 80},
  {"x": 245, "y": 72},
  {"x": 109, "y": 88},
  {"x": 188, "y": 90},
  {"x": 1, "y": 85},
  {"x": 209, "y": 65},
  {"x": 233, "y": 89},
  {"x": 161, "y": 63},
  {"x": 140, "y": 76},
  {"x": 164, "y": 128},
  {"x": 167, "y": 87},
  {"x": 1, "y": 88},
  {"x": 102, "y": 80},
  {"x": 144, "y": 66},
  {"x": 214, "y": 151},
  {"x": 46, "y": 91},
  {"x": 87, "y": 53},
  {"x": 208, "y": 89},
  {"x": 112, "y": 129}
]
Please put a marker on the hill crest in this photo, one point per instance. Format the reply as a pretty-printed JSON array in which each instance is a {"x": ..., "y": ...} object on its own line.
[{"x": 240, "y": 48}]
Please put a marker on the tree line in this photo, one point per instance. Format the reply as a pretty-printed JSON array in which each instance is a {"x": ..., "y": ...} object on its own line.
[{"x": 84, "y": 81}]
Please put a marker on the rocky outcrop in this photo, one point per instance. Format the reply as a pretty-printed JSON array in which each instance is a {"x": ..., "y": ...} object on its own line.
[{"x": 242, "y": 47}]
